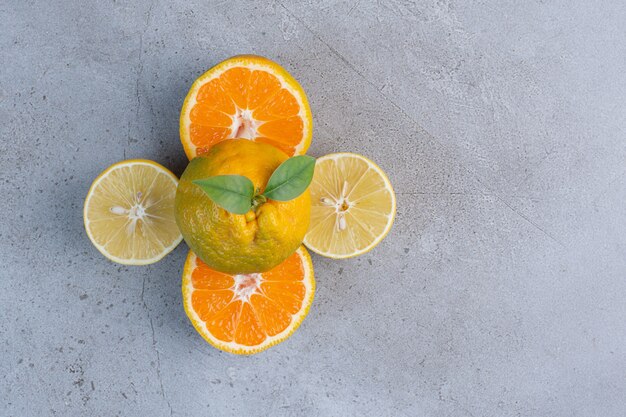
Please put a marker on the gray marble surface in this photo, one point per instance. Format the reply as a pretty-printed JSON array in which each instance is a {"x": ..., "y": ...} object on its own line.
[{"x": 499, "y": 292}]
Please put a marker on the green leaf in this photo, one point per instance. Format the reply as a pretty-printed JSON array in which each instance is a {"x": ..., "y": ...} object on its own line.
[
  {"x": 231, "y": 192},
  {"x": 291, "y": 178}
]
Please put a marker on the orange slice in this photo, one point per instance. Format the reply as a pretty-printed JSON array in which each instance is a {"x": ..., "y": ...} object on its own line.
[
  {"x": 249, "y": 97},
  {"x": 248, "y": 313}
]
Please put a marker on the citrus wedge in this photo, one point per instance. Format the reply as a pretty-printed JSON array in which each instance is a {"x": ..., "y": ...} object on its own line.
[
  {"x": 353, "y": 206},
  {"x": 248, "y": 97},
  {"x": 248, "y": 313},
  {"x": 129, "y": 212}
]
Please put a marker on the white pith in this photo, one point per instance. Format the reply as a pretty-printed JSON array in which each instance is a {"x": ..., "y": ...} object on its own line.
[
  {"x": 341, "y": 204},
  {"x": 135, "y": 212},
  {"x": 244, "y": 125},
  {"x": 246, "y": 285}
]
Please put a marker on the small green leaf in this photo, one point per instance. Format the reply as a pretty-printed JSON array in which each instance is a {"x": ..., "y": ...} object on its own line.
[
  {"x": 231, "y": 192},
  {"x": 291, "y": 178}
]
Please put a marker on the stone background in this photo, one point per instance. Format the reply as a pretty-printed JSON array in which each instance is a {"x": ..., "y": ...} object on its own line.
[{"x": 499, "y": 292}]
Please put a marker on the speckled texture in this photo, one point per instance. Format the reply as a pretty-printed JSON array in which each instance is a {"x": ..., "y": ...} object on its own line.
[
  {"x": 499, "y": 291},
  {"x": 229, "y": 242}
]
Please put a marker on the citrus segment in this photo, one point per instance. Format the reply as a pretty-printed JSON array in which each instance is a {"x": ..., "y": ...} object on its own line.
[
  {"x": 247, "y": 97},
  {"x": 129, "y": 212},
  {"x": 353, "y": 206},
  {"x": 248, "y": 313}
]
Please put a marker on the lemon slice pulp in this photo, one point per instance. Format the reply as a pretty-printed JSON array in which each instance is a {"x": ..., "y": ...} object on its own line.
[
  {"x": 129, "y": 212},
  {"x": 353, "y": 206}
]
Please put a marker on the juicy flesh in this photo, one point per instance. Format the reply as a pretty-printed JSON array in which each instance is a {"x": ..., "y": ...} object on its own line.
[
  {"x": 247, "y": 309},
  {"x": 351, "y": 206},
  {"x": 131, "y": 212},
  {"x": 244, "y": 103}
]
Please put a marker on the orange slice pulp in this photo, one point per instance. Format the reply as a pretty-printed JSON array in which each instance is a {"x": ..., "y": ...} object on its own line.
[
  {"x": 249, "y": 97},
  {"x": 248, "y": 313}
]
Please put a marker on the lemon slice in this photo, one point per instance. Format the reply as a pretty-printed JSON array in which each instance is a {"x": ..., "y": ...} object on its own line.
[
  {"x": 353, "y": 206},
  {"x": 129, "y": 212}
]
